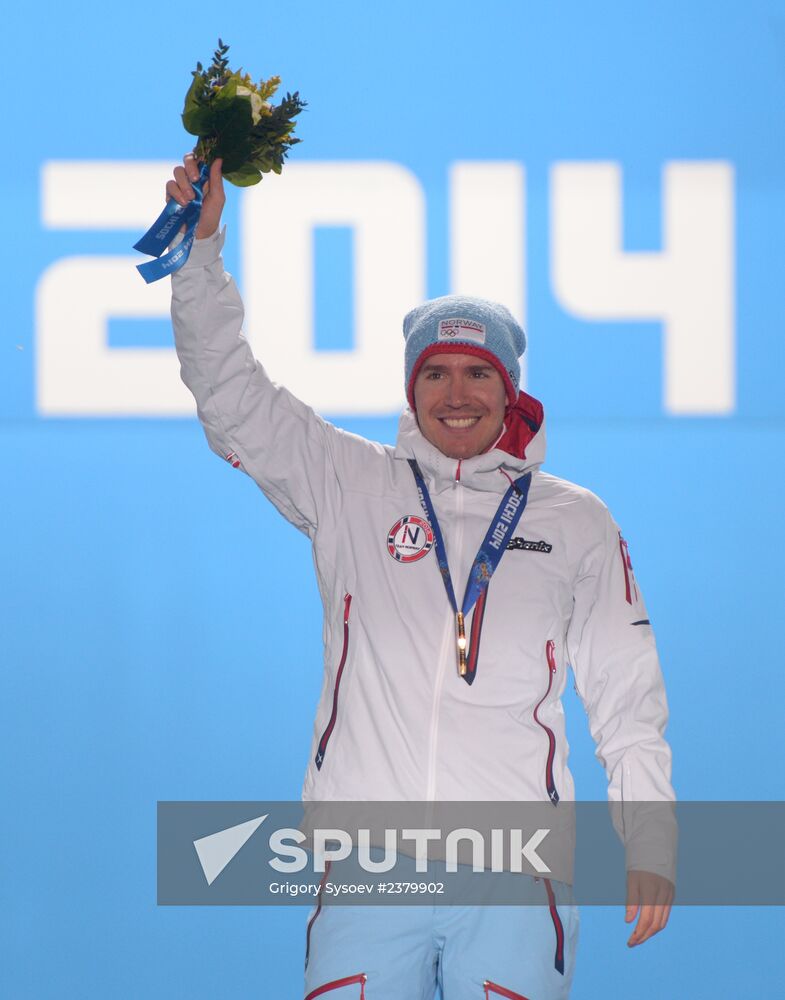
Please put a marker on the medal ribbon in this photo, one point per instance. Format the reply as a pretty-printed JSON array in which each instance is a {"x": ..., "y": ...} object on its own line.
[
  {"x": 489, "y": 555},
  {"x": 160, "y": 235}
]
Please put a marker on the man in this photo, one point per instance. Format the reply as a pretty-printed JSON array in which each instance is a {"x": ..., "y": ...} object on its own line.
[{"x": 458, "y": 583}]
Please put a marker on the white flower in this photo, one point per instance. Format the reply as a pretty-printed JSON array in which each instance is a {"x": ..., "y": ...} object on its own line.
[{"x": 256, "y": 102}]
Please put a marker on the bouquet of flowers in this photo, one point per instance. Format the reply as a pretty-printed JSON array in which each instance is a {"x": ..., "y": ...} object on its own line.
[{"x": 234, "y": 120}]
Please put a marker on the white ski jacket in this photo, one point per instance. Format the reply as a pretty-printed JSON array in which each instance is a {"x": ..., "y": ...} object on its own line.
[{"x": 395, "y": 720}]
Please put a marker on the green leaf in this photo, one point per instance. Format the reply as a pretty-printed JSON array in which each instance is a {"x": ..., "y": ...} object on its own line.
[
  {"x": 199, "y": 121},
  {"x": 195, "y": 101},
  {"x": 232, "y": 122},
  {"x": 245, "y": 176},
  {"x": 229, "y": 90}
]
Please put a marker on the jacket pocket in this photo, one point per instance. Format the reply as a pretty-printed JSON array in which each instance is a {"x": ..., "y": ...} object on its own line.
[
  {"x": 494, "y": 990},
  {"x": 322, "y": 747},
  {"x": 316, "y": 912},
  {"x": 550, "y": 660},
  {"x": 338, "y": 984}
]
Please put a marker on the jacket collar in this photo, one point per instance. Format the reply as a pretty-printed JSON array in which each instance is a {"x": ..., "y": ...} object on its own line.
[{"x": 520, "y": 449}]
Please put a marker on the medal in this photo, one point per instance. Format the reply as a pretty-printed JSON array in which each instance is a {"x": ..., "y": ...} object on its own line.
[
  {"x": 461, "y": 645},
  {"x": 485, "y": 562}
]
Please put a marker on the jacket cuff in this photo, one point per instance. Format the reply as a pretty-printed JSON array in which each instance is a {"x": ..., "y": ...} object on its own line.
[
  {"x": 657, "y": 858},
  {"x": 206, "y": 251},
  {"x": 203, "y": 252}
]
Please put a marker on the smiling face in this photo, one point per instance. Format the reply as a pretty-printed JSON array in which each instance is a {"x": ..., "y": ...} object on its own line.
[{"x": 460, "y": 401}]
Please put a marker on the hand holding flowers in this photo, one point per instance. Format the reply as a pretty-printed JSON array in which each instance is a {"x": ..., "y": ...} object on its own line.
[
  {"x": 181, "y": 190},
  {"x": 241, "y": 136}
]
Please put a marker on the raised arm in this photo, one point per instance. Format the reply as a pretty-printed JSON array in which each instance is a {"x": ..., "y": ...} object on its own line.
[{"x": 249, "y": 421}]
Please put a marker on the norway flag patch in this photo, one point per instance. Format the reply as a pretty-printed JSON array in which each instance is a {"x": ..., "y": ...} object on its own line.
[{"x": 461, "y": 329}]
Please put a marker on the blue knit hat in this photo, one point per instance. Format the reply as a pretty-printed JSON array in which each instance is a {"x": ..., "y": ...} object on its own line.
[{"x": 467, "y": 326}]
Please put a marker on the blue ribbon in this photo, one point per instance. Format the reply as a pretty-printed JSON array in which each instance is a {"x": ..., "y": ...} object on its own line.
[
  {"x": 160, "y": 235},
  {"x": 493, "y": 545}
]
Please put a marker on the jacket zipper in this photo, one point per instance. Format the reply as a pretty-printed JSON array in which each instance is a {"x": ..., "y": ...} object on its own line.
[
  {"x": 336, "y": 984},
  {"x": 558, "y": 961},
  {"x": 550, "y": 656},
  {"x": 500, "y": 991},
  {"x": 322, "y": 748}
]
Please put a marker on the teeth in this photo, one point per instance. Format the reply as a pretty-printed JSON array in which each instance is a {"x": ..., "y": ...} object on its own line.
[{"x": 459, "y": 422}]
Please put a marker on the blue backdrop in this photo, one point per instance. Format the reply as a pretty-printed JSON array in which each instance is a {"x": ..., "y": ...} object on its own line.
[{"x": 161, "y": 629}]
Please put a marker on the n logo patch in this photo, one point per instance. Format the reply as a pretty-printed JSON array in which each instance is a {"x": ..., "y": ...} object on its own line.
[{"x": 410, "y": 539}]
